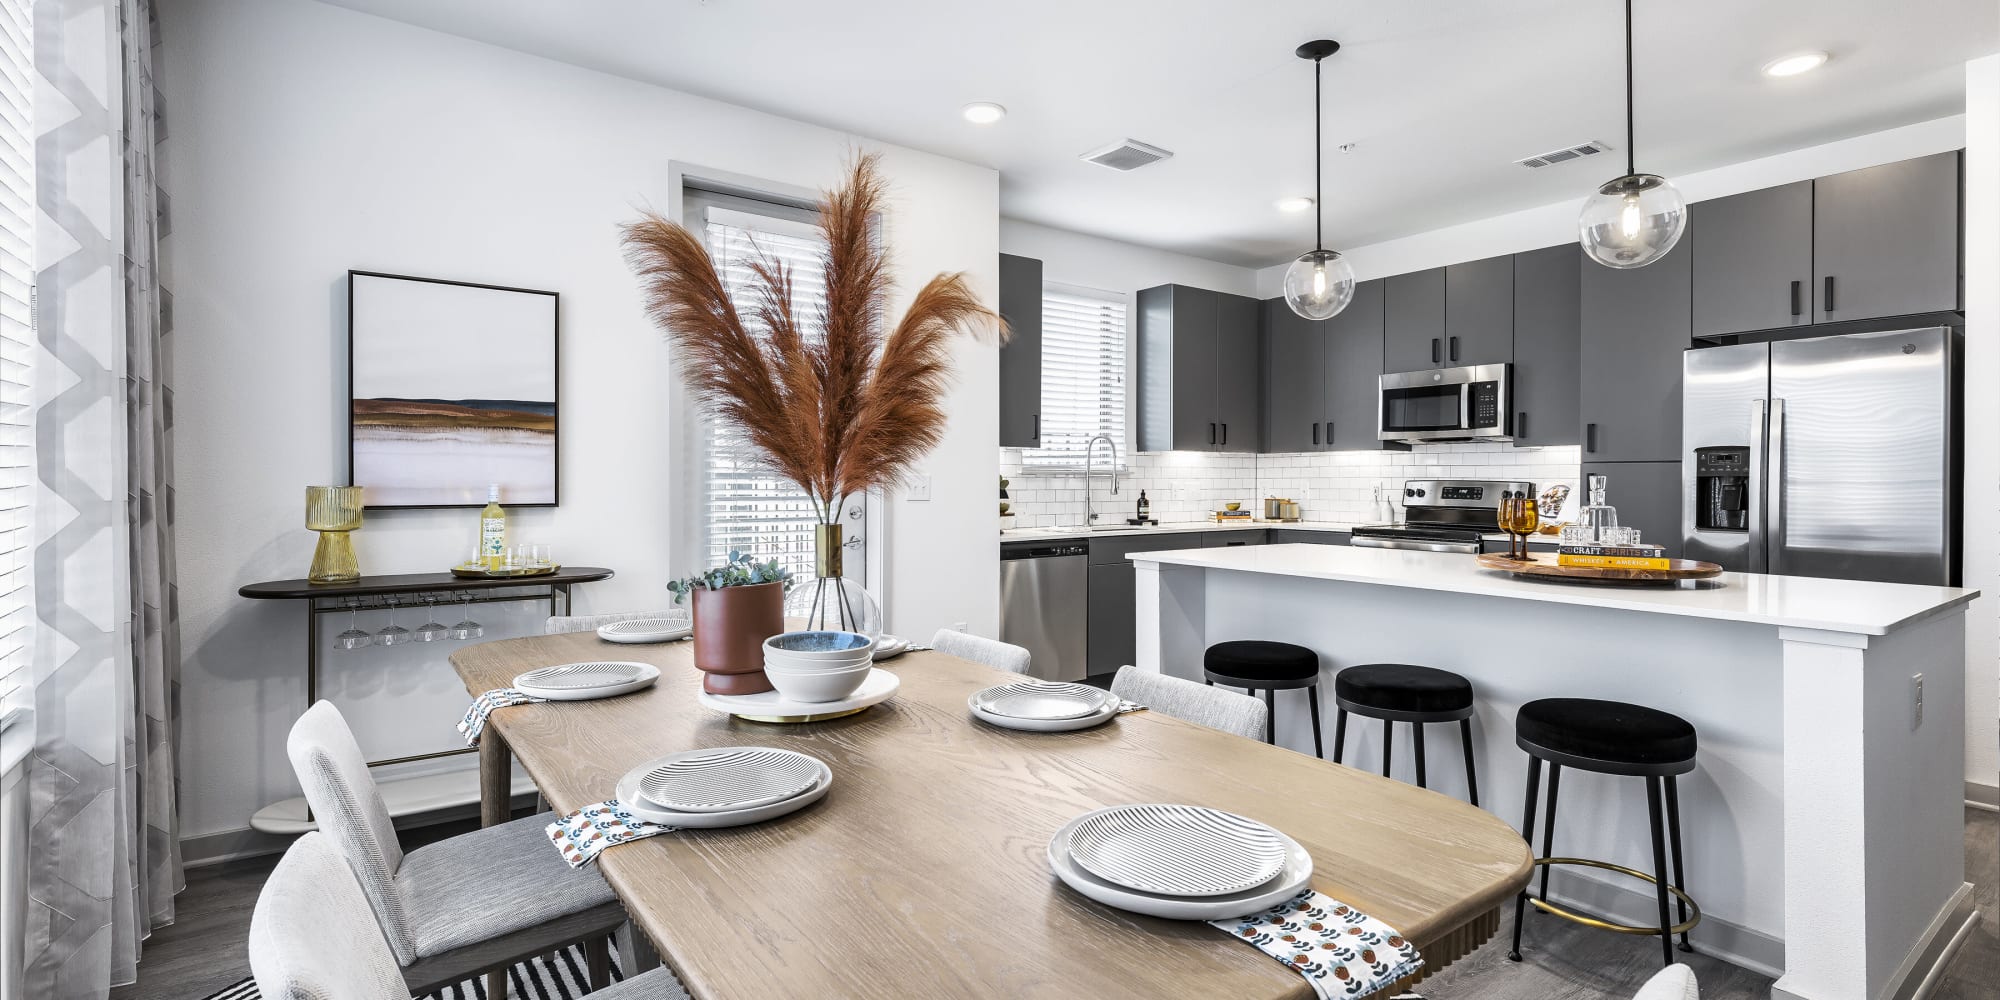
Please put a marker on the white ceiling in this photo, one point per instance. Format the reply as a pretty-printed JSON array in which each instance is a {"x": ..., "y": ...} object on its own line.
[{"x": 1438, "y": 98}]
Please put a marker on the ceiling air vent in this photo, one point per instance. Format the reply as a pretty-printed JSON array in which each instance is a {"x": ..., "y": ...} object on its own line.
[
  {"x": 1127, "y": 154},
  {"x": 1591, "y": 148}
]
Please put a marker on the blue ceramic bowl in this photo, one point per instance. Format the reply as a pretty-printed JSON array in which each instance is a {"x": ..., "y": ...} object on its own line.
[{"x": 820, "y": 644}]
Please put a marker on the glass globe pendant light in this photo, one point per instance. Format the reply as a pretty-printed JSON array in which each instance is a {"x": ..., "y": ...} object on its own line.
[
  {"x": 1321, "y": 282},
  {"x": 1634, "y": 220}
]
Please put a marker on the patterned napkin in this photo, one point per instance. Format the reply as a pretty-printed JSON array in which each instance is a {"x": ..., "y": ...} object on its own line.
[
  {"x": 584, "y": 834},
  {"x": 1341, "y": 951},
  {"x": 1128, "y": 707},
  {"x": 474, "y": 722}
]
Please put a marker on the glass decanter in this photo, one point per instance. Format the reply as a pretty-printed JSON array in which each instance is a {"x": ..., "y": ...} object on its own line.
[{"x": 1598, "y": 515}]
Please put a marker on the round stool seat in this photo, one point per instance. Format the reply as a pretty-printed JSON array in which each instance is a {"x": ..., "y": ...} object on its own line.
[
  {"x": 1404, "y": 688},
  {"x": 1606, "y": 736},
  {"x": 1262, "y": 663}
]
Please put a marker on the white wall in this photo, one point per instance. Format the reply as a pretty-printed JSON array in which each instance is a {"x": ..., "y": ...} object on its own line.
[
  {"x": 304, "y": 140},
  {"x": 1549, "y": 225}
]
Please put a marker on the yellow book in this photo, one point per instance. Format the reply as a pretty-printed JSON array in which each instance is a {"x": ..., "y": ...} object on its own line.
[{"x": 1613, "y": 562}]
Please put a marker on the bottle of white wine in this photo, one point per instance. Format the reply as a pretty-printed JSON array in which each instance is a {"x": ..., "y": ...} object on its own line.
[{"x": 493, "y": 531}]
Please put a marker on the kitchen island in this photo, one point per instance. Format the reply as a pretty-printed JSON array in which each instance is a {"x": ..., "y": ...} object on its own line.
[{"x": 1824, "y": 824}]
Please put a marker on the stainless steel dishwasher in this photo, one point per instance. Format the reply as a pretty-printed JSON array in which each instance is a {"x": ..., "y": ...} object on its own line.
[{"x": 1045, "y": 606}]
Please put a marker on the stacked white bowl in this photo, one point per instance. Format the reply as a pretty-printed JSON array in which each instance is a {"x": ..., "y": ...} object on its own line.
[{"x": 818, "y": 666}]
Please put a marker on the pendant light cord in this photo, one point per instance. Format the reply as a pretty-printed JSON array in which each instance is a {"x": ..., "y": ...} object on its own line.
[
  {"x": 1631, "y": 155},
  {"x": 1319, "y": 208}
]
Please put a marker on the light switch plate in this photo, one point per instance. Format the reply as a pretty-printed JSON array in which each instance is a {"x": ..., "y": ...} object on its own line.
[
  {"x": 919, "y": 488},
  {"x": 1918, "y": 681}
]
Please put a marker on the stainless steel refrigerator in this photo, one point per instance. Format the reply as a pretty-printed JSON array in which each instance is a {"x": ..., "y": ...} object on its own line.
[{"x": 1829, "y": 457}]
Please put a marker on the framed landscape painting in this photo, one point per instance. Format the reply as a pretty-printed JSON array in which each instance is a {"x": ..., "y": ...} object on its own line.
[{"x": 451, "y": 388}]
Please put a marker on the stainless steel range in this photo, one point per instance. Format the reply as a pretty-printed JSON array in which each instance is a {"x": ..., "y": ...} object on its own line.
[{"x": 1443, "y": 515}]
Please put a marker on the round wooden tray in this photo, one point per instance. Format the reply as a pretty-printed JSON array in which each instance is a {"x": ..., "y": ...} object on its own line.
[
  {"x": 1543, "y": 564},
  {"x": 482, "y": 574}
]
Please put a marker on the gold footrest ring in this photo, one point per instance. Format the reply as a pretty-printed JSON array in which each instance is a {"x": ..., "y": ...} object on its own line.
[{"x": 1605, "y": 925}]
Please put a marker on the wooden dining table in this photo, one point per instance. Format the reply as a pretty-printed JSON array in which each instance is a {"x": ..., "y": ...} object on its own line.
[{"x": 924, "y": 871}]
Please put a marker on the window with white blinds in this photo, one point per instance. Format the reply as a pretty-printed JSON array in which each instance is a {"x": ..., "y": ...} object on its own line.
[
  {"x": 745, "y": 506},
  {"x": 1083, "y": 375},
  {"x": 17, "y": 347}
]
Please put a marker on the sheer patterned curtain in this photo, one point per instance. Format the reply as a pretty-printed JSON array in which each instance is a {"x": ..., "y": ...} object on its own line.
[{"x": 104, "y": 839}]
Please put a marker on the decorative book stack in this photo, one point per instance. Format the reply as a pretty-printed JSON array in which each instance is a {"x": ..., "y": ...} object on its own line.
[{"x": 1633, "y": 556}]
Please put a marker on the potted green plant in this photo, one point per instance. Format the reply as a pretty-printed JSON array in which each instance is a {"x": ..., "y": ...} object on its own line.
[{"x": 737, "y": 605}]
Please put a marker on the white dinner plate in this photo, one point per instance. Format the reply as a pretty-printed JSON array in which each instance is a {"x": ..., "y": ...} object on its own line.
[
  {"x": 770, "y": 705},
  {"x": 586, "y": 681},
  {"x": 1177, "y": 850},
  {"x": 1098, "y": 718},
  {"x": 638, "y": 630},
  {"x": 628, "y": 795},
  {"x": 1292, "y": 880},
  {"x": 1043, "y": 701},
  {"x": 888, "y": 647},
  {"x": 725, "y": 779}
]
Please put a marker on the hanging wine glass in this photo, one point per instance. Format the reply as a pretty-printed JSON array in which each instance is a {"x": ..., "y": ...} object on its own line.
[
  {"x": 432, "y": 629},
  {"x": 353, "y": 638},
  {"x": 467, "y": 628},
  {"x": 392, "y": 634}
]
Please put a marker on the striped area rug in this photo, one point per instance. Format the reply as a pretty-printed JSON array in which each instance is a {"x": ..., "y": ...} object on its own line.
[{"x": 557, "y": 976}]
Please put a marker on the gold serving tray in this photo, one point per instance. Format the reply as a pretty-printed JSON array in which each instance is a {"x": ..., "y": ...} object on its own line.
[
  {"x": 1544, "y": 564},
  {"x": 505, "y": 574}
]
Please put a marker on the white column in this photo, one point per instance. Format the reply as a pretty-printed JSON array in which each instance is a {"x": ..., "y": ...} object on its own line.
[
  {"x": 1982, "y": 422},
  {"x": 1172, "y": 618}
]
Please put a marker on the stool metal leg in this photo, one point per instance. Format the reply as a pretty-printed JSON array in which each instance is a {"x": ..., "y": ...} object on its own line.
[
  {"x": 1660, "y": 868},
  {"x": 1312, "y": 693},
  {"x": 1271, "y": 716},
  {"x": 1674, "y": 845},
  {"x": 1471, "y": 775},
  {"x": 1417, "y": 738},
  {"x": 1388, "y": 745},
  {"x": 1527, "y": 834},
  {"x": 1549, "y": 825},
  {"x": 1339, "y": 733}
]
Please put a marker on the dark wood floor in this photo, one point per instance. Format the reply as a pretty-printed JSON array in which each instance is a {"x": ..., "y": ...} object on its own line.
[{"x": 203, "y": 951}]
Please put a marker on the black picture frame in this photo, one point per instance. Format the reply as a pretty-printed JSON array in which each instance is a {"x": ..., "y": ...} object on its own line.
[{"x": 555, "y": 370}]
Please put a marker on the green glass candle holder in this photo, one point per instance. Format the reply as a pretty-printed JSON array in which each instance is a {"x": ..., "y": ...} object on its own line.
[{"x": 333, "y": 511}]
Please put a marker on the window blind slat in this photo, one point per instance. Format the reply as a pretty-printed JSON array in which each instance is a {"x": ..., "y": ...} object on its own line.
[
  {"x": 1083, "y": 376},
  {"x": 17, "y": 353}
]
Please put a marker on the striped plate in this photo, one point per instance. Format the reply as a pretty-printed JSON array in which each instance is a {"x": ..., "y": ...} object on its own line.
[
  {"x": 579, "y": 676},
  {"x": 1177, "y": 850},
  {"x": 1044, "y": 701},
  {"x": 728, "y": 778},
  {"x": 666, "y": 628}
]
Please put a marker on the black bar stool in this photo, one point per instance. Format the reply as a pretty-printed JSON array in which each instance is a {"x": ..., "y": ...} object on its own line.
[
  {"x": 1258, "y": 665},
  {"x": 1609, "y": 737},
  {"x": 1404, "y": 692}
]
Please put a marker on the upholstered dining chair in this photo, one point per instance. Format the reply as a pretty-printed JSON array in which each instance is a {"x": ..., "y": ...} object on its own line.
[
  {"x": 313, "y": 937},
  {"x": 1675, "y": 982},
  {"x": 476, "y": 903},
  {"x": 992, "y": 652},
  {"x": 1190, "y": 702},
  {"x": 559, "y": 624}
]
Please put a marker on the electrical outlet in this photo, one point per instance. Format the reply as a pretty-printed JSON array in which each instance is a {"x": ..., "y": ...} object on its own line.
[
  {"x": 1918, "y": 681},
  {"x": 919, "y": 488},
  {"x": 960, "y": 627}
]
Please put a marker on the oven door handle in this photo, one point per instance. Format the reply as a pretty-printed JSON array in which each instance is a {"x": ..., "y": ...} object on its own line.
[{"x": 1371, "y": 542}]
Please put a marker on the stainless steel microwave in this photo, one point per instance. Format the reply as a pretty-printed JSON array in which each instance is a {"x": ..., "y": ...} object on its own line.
[{"x": 1447, "y": 404}]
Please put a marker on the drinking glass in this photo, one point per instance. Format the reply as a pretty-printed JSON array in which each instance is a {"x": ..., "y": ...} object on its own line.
[
  {"x": 353, "y": 638},
  {"x": 538, "y": 556},
  {"x": 432, "y": 629},
  {"x": 467, "y": 628},
  {"x": 393, "y": 634},
  {"x": 1519, "y": 517}
]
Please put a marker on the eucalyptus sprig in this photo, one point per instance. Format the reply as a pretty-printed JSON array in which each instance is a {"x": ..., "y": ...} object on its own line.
[{"x": 740, "y": 571}]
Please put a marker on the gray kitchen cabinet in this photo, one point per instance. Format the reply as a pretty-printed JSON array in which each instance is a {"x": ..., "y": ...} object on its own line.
[
  {"x": 1304, "y": 536},
  {"x": 1647, "y": 496},
  {"x": 1225, "y": 539},
  {"x": 1021, "y": 355},
  {"x": 1547, "y": 337},
  {"x": 1479, "y": 312},
  {"x": 1112, "y": 550},
  {"x": 1413, "y": 321},
  {"x": 1112, "y": 638},
  {"x": 1295, "y": 379},
  {"x": 1198, "y": 371},
  {"x": 1752, "y": 261},
  {"x": 1354, "y": 368},
  {"x": 1636, "y": 325},
  {"x": 1886, "y": 240},
  {"x": 1239, "y": 406}
]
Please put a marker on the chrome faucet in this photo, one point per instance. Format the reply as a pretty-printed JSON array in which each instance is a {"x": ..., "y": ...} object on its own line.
[{"x": 1089, "y": 455}]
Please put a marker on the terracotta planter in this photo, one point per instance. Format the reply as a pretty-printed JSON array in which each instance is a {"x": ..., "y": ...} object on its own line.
[{"x": 730, "y": 626}]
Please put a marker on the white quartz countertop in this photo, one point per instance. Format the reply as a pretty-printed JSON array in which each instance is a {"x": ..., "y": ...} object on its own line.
[
  {"x": 1788, "y": 601},
  {"x": 1165, "y": 528}
]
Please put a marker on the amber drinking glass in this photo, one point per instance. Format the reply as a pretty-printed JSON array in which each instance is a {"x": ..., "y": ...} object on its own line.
[{"x": 1520, "y": 517}]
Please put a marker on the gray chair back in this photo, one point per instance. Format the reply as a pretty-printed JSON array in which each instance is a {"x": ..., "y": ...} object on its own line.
[
  {"x": 992, "y": 652},
  {"x": 312, "y": 934},
  {"x": 349, "y": 808},
  {"x": 1191, "y": 702},
  {"x": 559, "y": 624},
  {"x": 1675, "y": 982}
]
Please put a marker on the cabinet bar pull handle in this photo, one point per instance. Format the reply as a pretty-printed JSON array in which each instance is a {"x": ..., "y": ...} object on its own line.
[
  {"x": 1211, "y": 433},
  {"x": 1796, "y": 285},
  {"x": 1434, "y": 350},
  {"x": 1225, "y": 434},
  {"x": 1590, "y": 437},
  {"x": 1315, "y": 435},
  {"x": 1829, "y": 293},
  {"x": 1454, "y": 348},
  {"x": 1329, "y": 433},
  {"x": 1037, "y": 433},
  {"x": 1521, "y": 424}
]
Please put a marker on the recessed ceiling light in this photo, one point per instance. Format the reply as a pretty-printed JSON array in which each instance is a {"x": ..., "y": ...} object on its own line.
[
  {"x": 983, "y": 112},
  {"x": 1296, "y": 204},
  {"x": 1793, "y": 65}
]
